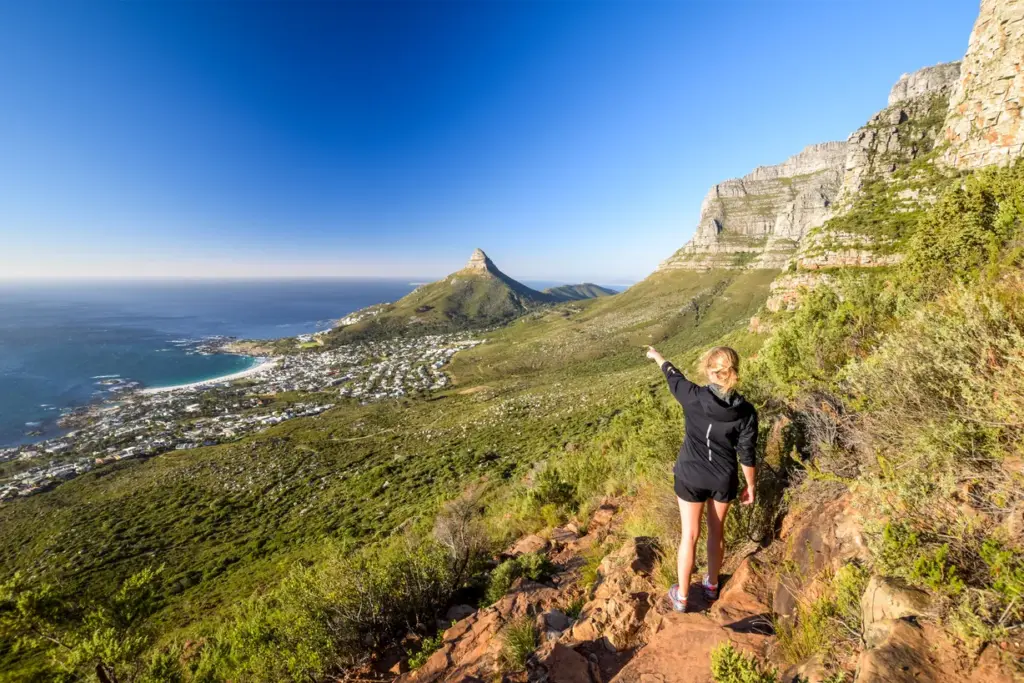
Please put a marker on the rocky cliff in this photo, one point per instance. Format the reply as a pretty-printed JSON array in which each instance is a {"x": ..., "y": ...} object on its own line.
[
  {"x": 984, "y": 124},
  {"x": 758, "y": 220},
  {"x": 764, "y": 218},
  {"x": 905, "y": 130},
  {"x": 880, "y": 152}
]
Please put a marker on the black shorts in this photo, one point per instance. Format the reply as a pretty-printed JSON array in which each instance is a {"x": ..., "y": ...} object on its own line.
[{"x": 692, "y": 495}]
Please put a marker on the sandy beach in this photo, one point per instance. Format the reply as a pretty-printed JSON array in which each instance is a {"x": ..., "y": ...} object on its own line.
[{"x": 260, "y": 367}]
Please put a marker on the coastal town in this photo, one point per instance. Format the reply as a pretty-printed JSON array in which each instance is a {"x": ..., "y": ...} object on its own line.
[{"x": 142, "y": 422}]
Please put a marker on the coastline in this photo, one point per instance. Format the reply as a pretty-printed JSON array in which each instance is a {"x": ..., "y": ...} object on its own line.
[{"x": 262, "y": 365}]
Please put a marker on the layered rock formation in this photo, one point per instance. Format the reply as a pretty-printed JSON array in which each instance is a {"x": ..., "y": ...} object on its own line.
[
  {"x": 905, "y": 130},
  {"x": 984, "y": 123},
  {"x": 926, "y": 81},
  {"x": 478, "y": 260},
  {"x": 758, "y": 220},
  {"x": 890, "y": 142},
  {"x": 762, "y": 219}
]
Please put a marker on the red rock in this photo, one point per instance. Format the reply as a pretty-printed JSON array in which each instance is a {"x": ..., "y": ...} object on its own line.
[
  {"x": 601, "y": 518},
  {"x": 681, "y": 651},
  {"x": 617, "y": 615},
  {"x": 556, "y": 663},
  {"x": 743, "y": 602},
  {"x": 562, "y": 535},
  {"x": 528, "y": 544}
]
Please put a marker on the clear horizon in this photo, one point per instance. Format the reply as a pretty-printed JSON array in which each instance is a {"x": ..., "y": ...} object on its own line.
[
  {"x": 410, "y": 279},
  {"x": 571, "y": 141}
]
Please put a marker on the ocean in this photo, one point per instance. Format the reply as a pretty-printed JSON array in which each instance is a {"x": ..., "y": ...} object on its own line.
[{"x": 63, "y": 345}]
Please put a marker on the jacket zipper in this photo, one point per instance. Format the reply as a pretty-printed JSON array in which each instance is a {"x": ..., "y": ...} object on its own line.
[{"x": 708, "y": 437}]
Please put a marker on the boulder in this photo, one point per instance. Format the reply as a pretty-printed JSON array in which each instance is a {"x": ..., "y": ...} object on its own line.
[
  {"x": 528, "y": 544},
  {"x": 471, "y": 647},
  {"x": 888, "y": 598},
  {"x": 563, "y": 535},
  {"x": 601, "y": 518},
  {"x": 742, "y": 604},
  {"x": 623, "y": 596},
  {"x": 555, "y": 662},
  {"x": 681, "y": 651},
  {"x": 904, "y": 650},
  {"x": 818, "y": 538},
  {"x": 810, "y": 671},
  {"x": 555, "y": 619},
  {"x": 900, "y": 657}
]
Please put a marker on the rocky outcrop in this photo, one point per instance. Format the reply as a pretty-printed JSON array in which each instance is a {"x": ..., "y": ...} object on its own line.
[
  {"x": 623, "y": 596},
  {"x": 899, "y": 655},
  {"x": 816, "y": 541},
  {"x": 984, "y": 124},
  {"x": 478, "y": 260},
  {"x": 887, "y": 598},
  {"x": 681, "y": 651},
  {"x": 890, "y": 142},
  {"x": 926, "y": 81},
  {"x": 905, "y": 130},
  {"x": 758, "y": 220},
  {"x": 472, "y": 646},
  {"x": 786, "y": 290}
]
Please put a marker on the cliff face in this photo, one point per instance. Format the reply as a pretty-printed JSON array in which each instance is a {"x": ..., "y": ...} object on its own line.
[
  {"x": 780, "y": 215},
  {"x": 905, "y": 130},
  {"x": 764, "y": 218},
  {"x": 984, "y": 123},
  {"x": 758, "y": 220},
  {"x": 886, "y": 146}
]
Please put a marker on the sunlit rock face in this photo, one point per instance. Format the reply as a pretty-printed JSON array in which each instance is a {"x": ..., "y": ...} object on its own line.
[
  {"x": 983, "y": 125},
  {"x": 758, "y": 220},
  {"x": 906, "y": 129}
]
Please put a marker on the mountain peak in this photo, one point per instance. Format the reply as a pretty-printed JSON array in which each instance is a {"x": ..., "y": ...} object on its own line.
[{"x": 479, "y": 261}]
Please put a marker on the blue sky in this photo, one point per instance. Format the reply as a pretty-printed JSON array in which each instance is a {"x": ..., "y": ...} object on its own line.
[{"x": 571, "y": 139}]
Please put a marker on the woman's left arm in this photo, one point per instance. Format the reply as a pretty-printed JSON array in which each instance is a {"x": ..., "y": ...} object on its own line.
[{"x": 746, "y": 449}]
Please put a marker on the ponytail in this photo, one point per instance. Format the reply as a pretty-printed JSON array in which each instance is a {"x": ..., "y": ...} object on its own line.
[{"x": 724, "y": 362}]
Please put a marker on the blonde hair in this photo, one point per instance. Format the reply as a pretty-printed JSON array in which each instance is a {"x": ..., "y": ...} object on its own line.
[{"x": 724, "y": 363}]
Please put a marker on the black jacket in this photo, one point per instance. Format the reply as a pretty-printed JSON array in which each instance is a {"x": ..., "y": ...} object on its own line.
[{"x": 717, "y": 432}]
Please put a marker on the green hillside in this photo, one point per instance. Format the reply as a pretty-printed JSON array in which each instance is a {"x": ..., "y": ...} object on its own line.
[{"x": 585, "y": 290}]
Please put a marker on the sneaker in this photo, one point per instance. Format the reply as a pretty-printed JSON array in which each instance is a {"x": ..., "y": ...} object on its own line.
[
  {"x": 678, "y": 601},
  {"x": 710, "y": 590}
]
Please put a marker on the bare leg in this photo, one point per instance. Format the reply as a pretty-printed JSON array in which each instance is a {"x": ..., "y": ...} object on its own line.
[
  {"x": 689, "y": 513},
  {"x": 716, "y": 537}
]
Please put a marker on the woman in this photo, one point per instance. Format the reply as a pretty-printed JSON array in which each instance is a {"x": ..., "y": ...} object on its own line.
[{"x": 721, "y": 426}]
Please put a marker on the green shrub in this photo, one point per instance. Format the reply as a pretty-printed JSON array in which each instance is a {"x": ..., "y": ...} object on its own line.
[
  {"x": 728, "y": 665},
  {"x": 533, "y": 566},
  {"x": 833, "y": 324},
  {"x": 108, "y": 638},
  {"x": 831, "y": 624},
  {"x": 428, "y": 647},
  {"x": 552, "y": 488},
  {"x": 518, "y": 641},
  {"x": 269, "y": 640},
  {"x": 1006, "y": 571},
  {"x": 933, "y": 569},
  {"x": 966, "y": 230},
  {"x": 574, "y": 608}
]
